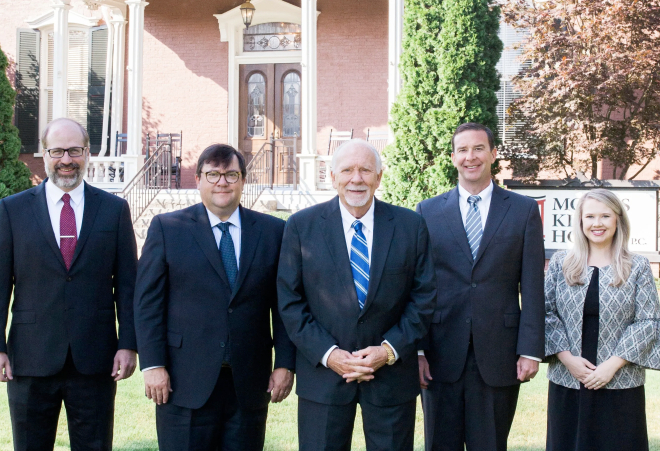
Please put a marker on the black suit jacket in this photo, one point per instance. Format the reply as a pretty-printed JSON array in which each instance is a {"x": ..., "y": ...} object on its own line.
[
  {"x": 484, "y": 297},
  {"x": 320, "y": 309},
  {"x": 55, "y": 309},
  {"x": 185, "y": 311}
]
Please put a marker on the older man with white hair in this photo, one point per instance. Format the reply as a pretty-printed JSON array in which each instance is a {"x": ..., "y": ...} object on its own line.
[{"x": 356, "y": 291}]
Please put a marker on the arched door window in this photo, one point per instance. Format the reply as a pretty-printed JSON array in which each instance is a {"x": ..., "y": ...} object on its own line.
[
  {"x": 291, "y": 104},
  {"x": 256, "y": 111}
]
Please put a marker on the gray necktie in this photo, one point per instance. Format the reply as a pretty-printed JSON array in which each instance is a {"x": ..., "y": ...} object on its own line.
[{"x": 473, "y": 226}]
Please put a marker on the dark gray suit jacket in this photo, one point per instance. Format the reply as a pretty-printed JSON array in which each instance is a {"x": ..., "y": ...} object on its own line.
[
  {"x": 484, "y": 297},
  {"x": 55, "y": 309},
  {"x": 186, "y": 312},
  {"x": 319, "y": 305}
]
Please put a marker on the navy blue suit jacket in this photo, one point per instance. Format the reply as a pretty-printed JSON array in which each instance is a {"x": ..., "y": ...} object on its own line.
[
  {"x": 186, "y": 313},
  {"x": 319, "y": 305},
  {"x": 484, "y": 297},
  {"x": 55, "y": 309}
]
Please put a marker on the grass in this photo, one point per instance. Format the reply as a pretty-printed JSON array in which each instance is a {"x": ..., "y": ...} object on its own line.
[{"x": 135, "y": 426}]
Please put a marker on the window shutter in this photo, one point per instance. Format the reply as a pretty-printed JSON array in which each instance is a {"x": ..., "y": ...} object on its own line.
[
  {"x": 27, "y": 90},
  {"x": 98, "y": 49},
  {"x": 78, "y": 76},
  {"x": 509, "y": 66}
]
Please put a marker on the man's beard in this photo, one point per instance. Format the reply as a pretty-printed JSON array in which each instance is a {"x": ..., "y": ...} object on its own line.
[
  {"x": 359, "y": 201},
  {"x": 71, "y": 181}
]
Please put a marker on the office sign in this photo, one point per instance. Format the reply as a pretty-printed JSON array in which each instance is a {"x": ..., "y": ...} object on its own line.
[{"x": 557, "y": 207}]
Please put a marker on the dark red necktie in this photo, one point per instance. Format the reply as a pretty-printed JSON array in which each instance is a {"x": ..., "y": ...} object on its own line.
[{"x": 68, "y": 233}]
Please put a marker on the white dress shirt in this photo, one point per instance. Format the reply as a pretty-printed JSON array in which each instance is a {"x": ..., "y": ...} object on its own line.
[
  {"x": 347, "y": 221},
  {"x": 55, "y": 204},
  {"x": 484, "y": 206},
  {"x": 234, "y": 230}
]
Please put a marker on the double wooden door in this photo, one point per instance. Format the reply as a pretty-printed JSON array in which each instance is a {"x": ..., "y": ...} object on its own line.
[{"x": 269, "y": 98}]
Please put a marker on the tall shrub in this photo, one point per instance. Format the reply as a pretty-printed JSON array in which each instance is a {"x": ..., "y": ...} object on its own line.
[
  {"x": 14, "y": 175},
  {"x": 450, "y": 49}
]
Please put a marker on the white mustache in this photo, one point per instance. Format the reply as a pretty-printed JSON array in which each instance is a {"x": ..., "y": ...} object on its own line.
[{"x": 357, "y": 188}]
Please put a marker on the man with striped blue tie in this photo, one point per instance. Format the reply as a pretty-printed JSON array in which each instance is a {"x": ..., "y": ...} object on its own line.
[
  {"x": 356, "y": 291},
  {"x": 488, "y": 254}
]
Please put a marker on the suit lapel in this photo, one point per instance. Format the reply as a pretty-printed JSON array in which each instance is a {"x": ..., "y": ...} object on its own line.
[
  {"x": 451, "y": 213},
  {"x": 92, "y": 203},
  {"x": 250, "y": 234},
  {"x": 382, "y": 238},
  {"x": 499, "y": 205},
  {"x": 203, "y": 234},
  {"x": 40, "y": 209},
  {"x": 335, "y": 240}
]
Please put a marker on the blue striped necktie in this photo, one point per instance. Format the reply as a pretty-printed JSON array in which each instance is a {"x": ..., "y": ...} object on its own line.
[
  {"x": 473, "y": 226},
  {"x": 360, "y": 263}
]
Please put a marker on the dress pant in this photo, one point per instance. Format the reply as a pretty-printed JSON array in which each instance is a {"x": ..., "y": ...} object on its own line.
[
  {"x": 35, "y": 403},
  {"x": 219, "y": 425},
  {"x": 323, "y": 427},
  {"x": 468, "y": 412}
]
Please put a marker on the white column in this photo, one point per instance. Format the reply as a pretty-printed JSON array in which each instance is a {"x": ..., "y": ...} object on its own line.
[
  {"x": 60, "y": 57},
  {"x": 118, "y": 67},
  {"x": 108, "y": 82},
  {"x": 232, "y": 92},
  {"x": 136, "y": 42},
  {"x": 307, "y": 164},
  {"x": 395, "y": 37}
]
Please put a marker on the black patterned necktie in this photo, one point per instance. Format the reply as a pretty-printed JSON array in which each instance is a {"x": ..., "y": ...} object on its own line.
[{"x": 228, "y": 253}]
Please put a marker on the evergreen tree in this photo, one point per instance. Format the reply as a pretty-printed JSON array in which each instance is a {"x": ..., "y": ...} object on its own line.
[
  {"x": 14, "y": 175},
  {"x": 450, "y": 49}
]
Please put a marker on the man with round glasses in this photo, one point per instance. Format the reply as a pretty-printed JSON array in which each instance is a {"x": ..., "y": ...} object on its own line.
[
  {"x": 205, "y": 293},
  {"x": 68, "y": 253}
]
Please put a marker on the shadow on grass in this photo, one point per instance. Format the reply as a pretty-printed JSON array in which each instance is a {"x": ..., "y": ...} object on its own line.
[{"x": 143, "y": 445}]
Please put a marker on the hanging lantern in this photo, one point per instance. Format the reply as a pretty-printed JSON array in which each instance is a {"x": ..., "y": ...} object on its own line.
[{"x": 247, "y": 11}]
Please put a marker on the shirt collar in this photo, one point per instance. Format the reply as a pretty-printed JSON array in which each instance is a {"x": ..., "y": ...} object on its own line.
[
  {"x": 234, "y": 219},
  {"x": 348, "y": 219},
  {"x": 55, "y": 193},
  {"x": 485, "y": 195}
]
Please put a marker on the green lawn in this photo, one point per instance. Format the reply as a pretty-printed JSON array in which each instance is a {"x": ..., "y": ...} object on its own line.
[{"x": 135, "y": 427}]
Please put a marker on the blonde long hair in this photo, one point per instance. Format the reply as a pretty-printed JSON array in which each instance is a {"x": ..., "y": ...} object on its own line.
[{"x": 575, "y": 263}]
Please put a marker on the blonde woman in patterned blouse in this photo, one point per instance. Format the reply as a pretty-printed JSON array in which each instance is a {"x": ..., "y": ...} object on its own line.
[{"x": 601, "y": 330}]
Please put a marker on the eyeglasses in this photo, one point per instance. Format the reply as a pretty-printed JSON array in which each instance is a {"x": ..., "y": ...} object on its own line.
[
  {"x": 73, "y": 152},
  {"x": 215, "y": 176}
]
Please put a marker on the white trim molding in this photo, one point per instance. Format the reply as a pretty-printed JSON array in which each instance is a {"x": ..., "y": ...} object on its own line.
[
  {"x": 135, "y": 62},
  {"x": 231, "y": 28},
  {"x": 395, "y": 37},
  {"x": 74, "y": 18}
]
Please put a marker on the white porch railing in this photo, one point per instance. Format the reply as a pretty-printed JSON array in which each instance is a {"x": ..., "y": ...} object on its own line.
[
  {"x": 107, "y": 173},
  {"x": 323, "y": 180}
]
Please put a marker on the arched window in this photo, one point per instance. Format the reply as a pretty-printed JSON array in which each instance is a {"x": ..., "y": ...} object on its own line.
[
  {"x": 291, "y": 104},
  {"x": 256, "y": 111}
]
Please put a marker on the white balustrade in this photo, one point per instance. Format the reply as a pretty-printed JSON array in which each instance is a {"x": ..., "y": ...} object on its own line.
[
  {"x": 323, "y": 180},
  {"x": 106, "y": 173}
]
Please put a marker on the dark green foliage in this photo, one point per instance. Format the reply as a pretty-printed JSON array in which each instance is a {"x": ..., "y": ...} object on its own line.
[
  {"x": 450, "y": 49},
  {"x": 14, "y": 175}
]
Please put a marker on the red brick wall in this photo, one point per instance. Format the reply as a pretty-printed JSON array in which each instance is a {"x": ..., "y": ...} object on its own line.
[
  {"x": 185, "y": 75},
  {"x": 352, "y": 67}
]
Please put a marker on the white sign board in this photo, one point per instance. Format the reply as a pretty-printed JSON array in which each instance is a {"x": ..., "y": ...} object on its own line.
[{"x": 557, "y": 207}]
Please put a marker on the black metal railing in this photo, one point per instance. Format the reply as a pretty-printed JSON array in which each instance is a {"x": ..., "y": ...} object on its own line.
[
  {"x": 275, "y": 164},
  {"x": 259, "y": 175},
  {"x": 155, "y": 175}
]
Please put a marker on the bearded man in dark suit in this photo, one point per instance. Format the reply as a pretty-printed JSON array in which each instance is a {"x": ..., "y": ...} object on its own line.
[
  {"x": 356, "y": 291},
  {"x": 67, "y": 251}
]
